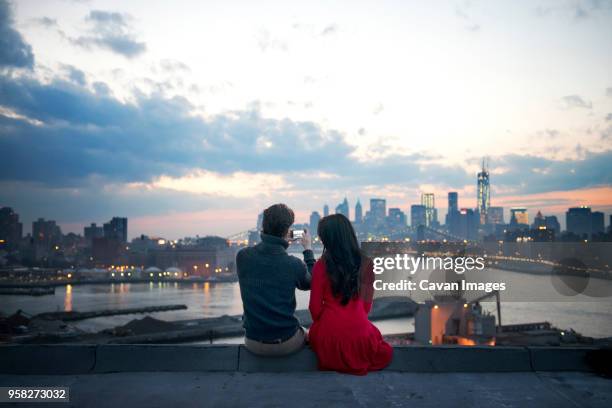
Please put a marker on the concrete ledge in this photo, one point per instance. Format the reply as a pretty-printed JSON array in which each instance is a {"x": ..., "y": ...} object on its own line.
[
  {"x": 459, "y": 359},
  {"x": 303, "y": 360},
  {"x": 563, "y": 359},
  {"x": 133, "y": 357},
  {"x": 85, "y": 359},
  {"x": 47, "y": 359}
]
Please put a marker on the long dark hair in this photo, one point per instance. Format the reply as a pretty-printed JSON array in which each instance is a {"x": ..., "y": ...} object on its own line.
[{"x": 342, "y": 255}]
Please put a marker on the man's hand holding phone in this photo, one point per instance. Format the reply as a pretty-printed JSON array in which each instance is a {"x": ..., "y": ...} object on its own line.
[{"x": 303, "y": 236}]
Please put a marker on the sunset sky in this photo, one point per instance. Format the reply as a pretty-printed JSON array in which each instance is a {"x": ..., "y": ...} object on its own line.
[{"x": 189, "y": 117}]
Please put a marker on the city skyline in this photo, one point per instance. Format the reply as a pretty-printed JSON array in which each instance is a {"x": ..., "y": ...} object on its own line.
[{"x": 106, "y": 109}]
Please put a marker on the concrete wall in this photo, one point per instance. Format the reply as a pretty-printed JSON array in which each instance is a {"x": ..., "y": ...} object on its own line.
[{"x": 83, "y": 359}]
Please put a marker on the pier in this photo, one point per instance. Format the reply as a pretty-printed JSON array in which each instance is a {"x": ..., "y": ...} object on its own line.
[{"x": 74, "y": 315}]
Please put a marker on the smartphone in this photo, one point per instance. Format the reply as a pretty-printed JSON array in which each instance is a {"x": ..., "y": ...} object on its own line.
[{"x": 297, "y": 234}]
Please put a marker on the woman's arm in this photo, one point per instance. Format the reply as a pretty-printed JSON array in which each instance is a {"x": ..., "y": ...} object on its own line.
[{"x": 316, "y": 290}]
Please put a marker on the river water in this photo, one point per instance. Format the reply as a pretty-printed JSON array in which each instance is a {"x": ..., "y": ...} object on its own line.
[{"x": 591, "y": 318}]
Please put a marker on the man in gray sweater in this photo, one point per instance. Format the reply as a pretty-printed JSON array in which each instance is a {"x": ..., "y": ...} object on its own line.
[{"x": 268, "y": 277}]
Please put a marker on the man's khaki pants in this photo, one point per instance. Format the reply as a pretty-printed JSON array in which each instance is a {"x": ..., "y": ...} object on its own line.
[{"x": 289, "y": 346}]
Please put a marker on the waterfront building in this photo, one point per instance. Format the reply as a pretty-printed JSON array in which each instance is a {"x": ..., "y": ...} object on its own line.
[
  {"x": 11, "y": 230},
  {"x": 117, "y": 229},
  {"x": 92, "y": 232},
  {"x": 208, "y": 257},
  {"x": 46, "y": 233},
  {"x": 325, "y": 210}
]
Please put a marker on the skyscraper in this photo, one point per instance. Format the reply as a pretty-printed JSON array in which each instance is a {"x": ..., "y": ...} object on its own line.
[
  {"x": 495, "y": 215},
  {"x": 417, "y": 215},
  {"x": 428, "y": 201},
  {"x": 358, "y": 213},
  {"x": 519, "y": 216},
  {"x": 46, "y": 233},
  {"x": 315, "y": 217},
  {"x": 597, "y": 223},
  {"x": 378, "y": 209},
  {"x": 483, "y": 197},
  {"x": 453, "y": 201},
  {"x": 11, "y": 230},
  {"x": 325, "y": 210},
  {"x": 551, "y": 223},
  {"x": 92, "y": 232},
  {"x": 579, "y": 221},
  {"x": 538, "y": 221},
  {"x": 396, "y": 218},
  {"x": 343, "y": 208},
  {"x": 452, "y": 216},
  {"x": 116, "y": 229},
  {"x": 468, "y": 224}
]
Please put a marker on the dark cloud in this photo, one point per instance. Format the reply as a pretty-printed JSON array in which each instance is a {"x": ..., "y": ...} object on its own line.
[
  {"x": 77, "y": 148},
  {"x": 74, "y": 74},
  {"x": 86, "y": 133},
  {"x": 14, "y": 51},
  {"x": 110, "y": 31},
  {"x": 532, "y": 174},
  {"x": 576, "y": 101}
]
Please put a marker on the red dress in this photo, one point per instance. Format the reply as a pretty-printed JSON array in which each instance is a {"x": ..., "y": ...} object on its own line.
[{"x": 341, "y": 335}]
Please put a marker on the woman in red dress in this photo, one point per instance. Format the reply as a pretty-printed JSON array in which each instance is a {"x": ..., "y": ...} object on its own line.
[{"x": 340, "y": 299}]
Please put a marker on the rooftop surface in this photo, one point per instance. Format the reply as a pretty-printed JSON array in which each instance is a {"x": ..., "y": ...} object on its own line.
[
  {"x": 319, "y": 389},
  {"x": 229, "y": 375}
]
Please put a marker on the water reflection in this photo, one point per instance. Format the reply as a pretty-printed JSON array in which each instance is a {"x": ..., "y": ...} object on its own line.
[{"x": 68, "y": 299}]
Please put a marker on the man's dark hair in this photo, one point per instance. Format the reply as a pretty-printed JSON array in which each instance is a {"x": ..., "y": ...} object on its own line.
[{"x": 277, "y": 219}]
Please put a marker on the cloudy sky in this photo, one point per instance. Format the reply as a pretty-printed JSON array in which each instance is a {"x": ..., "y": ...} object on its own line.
[{"x": 190, "y": 116}]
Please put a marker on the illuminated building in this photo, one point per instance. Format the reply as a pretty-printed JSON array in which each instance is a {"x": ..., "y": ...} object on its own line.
[
  {"x": 429, "y": 202},
  {"x": 11, "y": 230},
  {"x": 519, "y": 216},
  {"x": 483, "y": 194}
]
